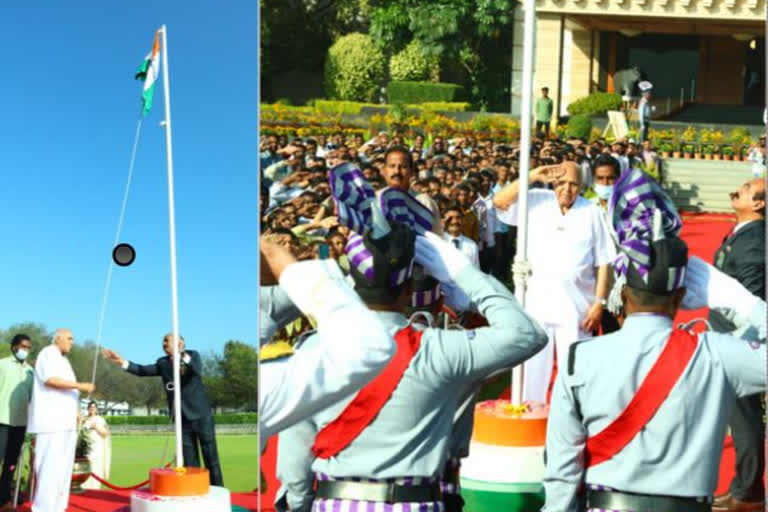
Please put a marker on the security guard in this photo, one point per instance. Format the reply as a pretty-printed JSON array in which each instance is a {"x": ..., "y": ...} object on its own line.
[
  {"x": 638, "y": 418},
  {"x": 352, "y": 345},
  {"x": 387, "y": 445}
]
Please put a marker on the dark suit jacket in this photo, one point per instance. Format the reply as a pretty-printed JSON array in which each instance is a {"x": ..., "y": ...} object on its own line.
[
  {"x": 743, "y": 258},
  {"x": 194, "y": 400}
]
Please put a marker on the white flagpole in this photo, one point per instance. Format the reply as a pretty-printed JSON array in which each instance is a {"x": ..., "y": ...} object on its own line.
[
  {"x": 172, "y": 236},
  {"x": 525, "y": 163}
]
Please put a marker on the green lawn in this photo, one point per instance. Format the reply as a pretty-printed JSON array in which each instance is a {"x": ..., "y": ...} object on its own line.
[{"x": 133, "y": 456}]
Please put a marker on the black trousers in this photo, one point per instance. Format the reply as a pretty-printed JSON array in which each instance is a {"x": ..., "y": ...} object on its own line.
[
  {"x": 11, "y": 440},
  {"x": 749, "y": 442},
  {"x": 505, "y": 253},
  {"x": 644, "y": 132},
  {"x": 201, "y": 431},
  {"x": 542, "y": 127}
]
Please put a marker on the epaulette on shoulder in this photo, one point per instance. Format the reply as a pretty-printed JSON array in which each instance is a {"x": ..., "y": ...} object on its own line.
[
  {"x": 275, "y": 351},
  {"x": 572, "y": 354}
]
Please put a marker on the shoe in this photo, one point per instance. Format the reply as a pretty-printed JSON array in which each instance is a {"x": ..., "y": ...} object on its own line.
[{"x": 729, "y": 503}]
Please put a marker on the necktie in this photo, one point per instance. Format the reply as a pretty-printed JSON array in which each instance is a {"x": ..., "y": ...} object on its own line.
[
  {"x": 730, "y": 234},
  {"x": 456, "y": 243}
]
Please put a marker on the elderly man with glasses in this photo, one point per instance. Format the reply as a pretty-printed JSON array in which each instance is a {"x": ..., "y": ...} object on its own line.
[{"x": 569, "y": 251}]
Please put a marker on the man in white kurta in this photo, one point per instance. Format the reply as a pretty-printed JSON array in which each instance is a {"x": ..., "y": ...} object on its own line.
[
  {"x": 53, "y": 418},
  {"x": 569, "y": 250}
]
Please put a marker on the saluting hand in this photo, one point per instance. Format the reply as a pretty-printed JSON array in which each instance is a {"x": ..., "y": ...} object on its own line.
[{"x": 547, "y": 173}]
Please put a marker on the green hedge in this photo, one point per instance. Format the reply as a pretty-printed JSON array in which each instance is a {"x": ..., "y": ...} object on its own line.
[
  {"x": 356, "y": 107},
  {"x": 442, "y": 106},
  {"x": 595, "y": 103},
  {"x": 422, "y": 92},
  {"x": 220, "y": 419},
  {"x": 579, "y": 127},
  {"x": 413, "y": 64},
  {"x": 341, "y": 107},
  {"x": 354, "y": 69}
]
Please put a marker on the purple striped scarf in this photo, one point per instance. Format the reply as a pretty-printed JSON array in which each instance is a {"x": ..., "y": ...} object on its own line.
[
  {"x": 425, "y": 298},
  {"x": 635, "y": 198},
  {"x": 400, "y": 206},
  {"x": 362, "y": 259},
  {"x": 354, "y": 198},
  {"x": 334, "y": 505}
]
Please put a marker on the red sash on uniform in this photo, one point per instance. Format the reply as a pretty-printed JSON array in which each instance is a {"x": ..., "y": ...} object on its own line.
[
  {"x": 652, "y": 392},
  {"x": 339, "y": 433}
]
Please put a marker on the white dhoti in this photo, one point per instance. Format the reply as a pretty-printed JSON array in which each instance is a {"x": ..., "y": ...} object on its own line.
[
  {"x": 54, "y": 458},
  {"x": 537, "y": 371}
]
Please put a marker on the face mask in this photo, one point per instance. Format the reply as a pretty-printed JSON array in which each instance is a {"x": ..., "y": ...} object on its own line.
[
  {"x": 603, "y": 191},
  {"x": 21, "y": 354}
]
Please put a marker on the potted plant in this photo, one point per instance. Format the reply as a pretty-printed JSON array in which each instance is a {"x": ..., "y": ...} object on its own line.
[
  {"x": 739, "y": 138},
  {"x": 727, "y": 153},
  {"x": 674, "y": 137},
  {"x": 82, "y": 468},
  {"x": 687, "y": 151},
  {"x": 717, "y": 137},
  {"x": 665, "y": 150},
  {"x": 708, "y": 152}
]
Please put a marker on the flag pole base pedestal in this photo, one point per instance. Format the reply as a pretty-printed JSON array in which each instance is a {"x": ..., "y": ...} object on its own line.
[
  {"x": 506, "y": 463},
  {"x": 180, "y": 489}
]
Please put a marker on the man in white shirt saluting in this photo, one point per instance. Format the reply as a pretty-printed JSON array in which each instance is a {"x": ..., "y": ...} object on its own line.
[
  {"x": 452, "y": 224},
  {"x": 570, "y": 251},
  {"x": 53, "y": 417}
]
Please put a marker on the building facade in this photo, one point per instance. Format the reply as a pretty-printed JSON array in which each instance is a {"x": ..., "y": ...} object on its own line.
[{"x": 707, "y": 52}]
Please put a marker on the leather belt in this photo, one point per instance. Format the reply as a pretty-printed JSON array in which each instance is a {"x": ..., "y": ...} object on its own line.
[
  {"x": 378, "y": 491},
  {"x": 613, "y": 500}
]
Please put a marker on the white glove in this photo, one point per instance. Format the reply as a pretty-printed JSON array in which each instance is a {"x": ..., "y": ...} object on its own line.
[
  {"x": 439, "y": 258},
  {"x": 708, "y": 286},
  {"x": 455, "y": 298},
  {"x": 521, "y": 271}
]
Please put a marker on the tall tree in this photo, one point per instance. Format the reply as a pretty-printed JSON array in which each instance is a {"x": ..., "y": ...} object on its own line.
[
  {"x": 238, "y": 367},
  {"x": 475, "y": 34},
  {"x": 296, "y": 34}
]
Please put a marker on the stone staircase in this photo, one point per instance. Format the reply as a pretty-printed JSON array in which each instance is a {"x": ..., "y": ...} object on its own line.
[{"x": 703, "y": 185}]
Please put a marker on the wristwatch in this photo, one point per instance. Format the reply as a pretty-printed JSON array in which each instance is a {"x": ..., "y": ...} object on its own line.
[{"x": 604, "y": 303}]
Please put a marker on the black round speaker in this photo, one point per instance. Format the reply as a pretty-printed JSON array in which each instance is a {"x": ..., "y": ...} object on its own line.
[{"x": 123, "y": 255}]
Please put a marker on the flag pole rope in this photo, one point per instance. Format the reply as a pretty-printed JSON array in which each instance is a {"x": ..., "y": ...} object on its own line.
[{"x": 117, "y": 239}]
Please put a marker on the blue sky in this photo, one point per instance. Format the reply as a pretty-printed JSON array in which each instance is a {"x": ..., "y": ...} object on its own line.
[{"x": 69, "y": 108}]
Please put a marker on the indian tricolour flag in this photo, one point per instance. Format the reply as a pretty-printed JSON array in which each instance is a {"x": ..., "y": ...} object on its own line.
[{"x": 148, "y": 73}]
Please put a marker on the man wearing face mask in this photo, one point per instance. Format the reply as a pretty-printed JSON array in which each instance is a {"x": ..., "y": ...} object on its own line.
[
  {"x": 16, "y": 381},
  {"x": 607, "y": 171}
]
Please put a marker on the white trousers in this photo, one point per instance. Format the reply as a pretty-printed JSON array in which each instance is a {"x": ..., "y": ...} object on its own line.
[
  {"x": 537, "y": 371},
  {"x": 54, "y": 458}
]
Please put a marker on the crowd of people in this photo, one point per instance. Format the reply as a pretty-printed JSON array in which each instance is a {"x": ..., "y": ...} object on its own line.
[
  {"x": 460, "y": 176},
  {"x": 605, "y": 262}
]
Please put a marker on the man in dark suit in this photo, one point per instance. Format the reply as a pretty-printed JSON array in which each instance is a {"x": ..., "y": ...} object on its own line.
[
  {"x": 742, "y": 256},
  {"x": 196, "y": 413}
]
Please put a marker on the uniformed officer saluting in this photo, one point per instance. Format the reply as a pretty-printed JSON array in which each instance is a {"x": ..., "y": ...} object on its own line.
[
  {"x": 638, "y": 416},
  {"x": 352, "y": 344},
  {"x": 385, "y": 447}
]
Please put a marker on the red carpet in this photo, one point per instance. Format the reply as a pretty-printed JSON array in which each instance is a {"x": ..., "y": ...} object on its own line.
[
  {"x": 703, "y": 233},
  {"x": 114, "y": 501}
]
